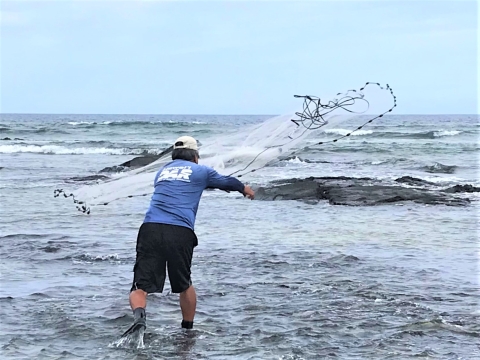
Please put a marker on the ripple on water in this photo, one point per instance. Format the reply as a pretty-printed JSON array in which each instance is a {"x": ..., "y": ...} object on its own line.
[{"x": 283, "y": 302}]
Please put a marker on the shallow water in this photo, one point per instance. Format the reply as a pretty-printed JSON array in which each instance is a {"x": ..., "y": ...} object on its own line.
[{"x": 274, "y": 280}]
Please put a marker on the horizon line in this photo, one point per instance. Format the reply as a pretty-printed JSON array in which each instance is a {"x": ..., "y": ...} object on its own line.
[{"x": 205, "y": 114}]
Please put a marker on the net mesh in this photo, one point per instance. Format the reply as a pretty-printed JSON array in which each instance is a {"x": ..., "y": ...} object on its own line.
[{"x": 255, "y": 147}]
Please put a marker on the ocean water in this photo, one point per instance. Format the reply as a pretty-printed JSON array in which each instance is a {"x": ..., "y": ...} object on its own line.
[{"x": 274, "y": 279}]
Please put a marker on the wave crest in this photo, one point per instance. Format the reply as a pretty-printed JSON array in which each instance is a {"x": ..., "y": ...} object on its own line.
[{"x": 62, "y": 150}]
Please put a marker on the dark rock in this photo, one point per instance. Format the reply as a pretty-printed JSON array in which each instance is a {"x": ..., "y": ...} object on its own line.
[
  {"x": 300, "y": 190},
  {"x": 89, "y": 178},
  {"x": 353, "y": 192},
  {"x": 137, "y": 162},
  {"x": 114, "y": 169},
  {"x": 140, "y": 161},
  {"x": 462, "y": 188},
  {"x": 50, "y": 249},
  {"x": 413, "y": 181},
  {"x": 311, "y": 178},
  {"x": 308, "y": 161}
]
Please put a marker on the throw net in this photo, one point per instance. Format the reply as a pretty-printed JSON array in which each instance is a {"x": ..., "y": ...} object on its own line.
[{"x": 255, "y": 147}]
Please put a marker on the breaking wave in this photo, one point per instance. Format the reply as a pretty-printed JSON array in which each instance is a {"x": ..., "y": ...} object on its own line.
[
  {"x": 62, "y": 150},
  {"x": 170, "y": 123},
  {"x": 72, "y": 127},
  {"x": 392, "y": 134},
  {"x": 42, "y": 130},
  {"x": 440, "y": 168},
  {"x": 420, "y": 135},
  {"x": 345, "y": 132}
]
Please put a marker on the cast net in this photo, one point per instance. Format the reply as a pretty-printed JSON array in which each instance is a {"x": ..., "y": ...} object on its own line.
[{"x": 254, "y": 148}]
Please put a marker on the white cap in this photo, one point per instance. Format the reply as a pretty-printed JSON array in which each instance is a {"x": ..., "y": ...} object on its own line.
[{"x": 186, "y": 142}]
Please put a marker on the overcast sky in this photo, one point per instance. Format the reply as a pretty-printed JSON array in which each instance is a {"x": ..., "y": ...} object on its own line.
[{"x": 233, "y": 57}]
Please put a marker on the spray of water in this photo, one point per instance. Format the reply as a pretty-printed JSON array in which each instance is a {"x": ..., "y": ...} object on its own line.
[
  {"x": 250, "y": 150},
  {"x": 130, "y": 341}
]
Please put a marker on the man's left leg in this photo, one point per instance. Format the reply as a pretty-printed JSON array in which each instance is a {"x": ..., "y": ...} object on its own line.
[
  {"x": 138, "y": 303},
  {"x": 149, "y": 271},
  {"x": 138, "y": 299}
]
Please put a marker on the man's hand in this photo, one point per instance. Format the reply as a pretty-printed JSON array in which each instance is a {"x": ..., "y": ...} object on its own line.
[{"x": 248, "y": 192}]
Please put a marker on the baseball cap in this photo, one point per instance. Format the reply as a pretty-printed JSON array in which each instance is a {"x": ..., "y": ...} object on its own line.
[{"x": 186, "y": 142}]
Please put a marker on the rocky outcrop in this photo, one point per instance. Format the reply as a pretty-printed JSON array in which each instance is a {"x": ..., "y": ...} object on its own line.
[
  {"x": 462, "y": 189},
  {"x": 362, "y": 191},
  {"x": 89, "y": 178},
  {"x": 137, "y": 162}
]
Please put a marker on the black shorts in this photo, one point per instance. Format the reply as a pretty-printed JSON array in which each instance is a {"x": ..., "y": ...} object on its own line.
[{"x": 161, "y": 246}]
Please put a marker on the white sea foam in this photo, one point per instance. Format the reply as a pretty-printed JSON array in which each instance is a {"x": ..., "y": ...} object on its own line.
[
  {"x": 344, "y": 132},
  {"x": 62, "y": 150},
  {"x": 441, "y": 133},
  {"x": 296, "y": 160},
  {"x": 75, "y": 123}
]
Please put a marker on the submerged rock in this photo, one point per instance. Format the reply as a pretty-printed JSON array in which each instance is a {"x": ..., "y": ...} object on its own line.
[
  {"x": 114, "y": 169},
  {"x": 89, "y": 178},
  {"x": 357, "y": 192},
  {"x": 413, "y": 181},
  {"x": 7, "y": 139}
]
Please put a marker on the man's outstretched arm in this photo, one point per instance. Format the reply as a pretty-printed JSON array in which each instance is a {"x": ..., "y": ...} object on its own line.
[{"x": 228, "y": 183}]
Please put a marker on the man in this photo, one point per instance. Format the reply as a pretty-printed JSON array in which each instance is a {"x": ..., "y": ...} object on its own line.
[{"x": 166, "y": 238}]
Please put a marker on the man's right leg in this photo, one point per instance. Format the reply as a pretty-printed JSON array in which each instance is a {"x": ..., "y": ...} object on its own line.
[{"x": 181, "y": 242}]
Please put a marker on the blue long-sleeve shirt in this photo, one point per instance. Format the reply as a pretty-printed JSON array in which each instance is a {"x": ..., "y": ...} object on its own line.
[{"x": 178, "y": 188}]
